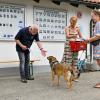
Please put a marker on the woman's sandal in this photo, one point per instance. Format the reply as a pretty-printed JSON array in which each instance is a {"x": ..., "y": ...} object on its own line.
[{"x": 97, "y": 85}]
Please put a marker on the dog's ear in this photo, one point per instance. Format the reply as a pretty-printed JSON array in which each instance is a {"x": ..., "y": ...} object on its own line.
[
  {"x": 49, "y": 57},
  {"x": 53, "y": 58}
]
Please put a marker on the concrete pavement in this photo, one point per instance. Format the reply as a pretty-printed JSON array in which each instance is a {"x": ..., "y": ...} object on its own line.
[{"x": 41, "y": 89}]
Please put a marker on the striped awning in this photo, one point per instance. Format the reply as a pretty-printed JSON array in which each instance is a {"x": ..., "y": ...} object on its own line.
[{"x": 91, "y": 1}]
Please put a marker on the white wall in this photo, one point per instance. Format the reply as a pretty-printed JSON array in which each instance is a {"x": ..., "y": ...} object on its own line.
[{"x": 7, "y": 49}]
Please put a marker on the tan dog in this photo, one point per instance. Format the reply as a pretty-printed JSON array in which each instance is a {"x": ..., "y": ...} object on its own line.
[{"x": 59, "y": 69}]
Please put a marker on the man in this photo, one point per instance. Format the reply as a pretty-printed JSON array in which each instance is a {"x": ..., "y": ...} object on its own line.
[
  {"x": 24, "y": 40},
  {"x": 95, "y": 14}
]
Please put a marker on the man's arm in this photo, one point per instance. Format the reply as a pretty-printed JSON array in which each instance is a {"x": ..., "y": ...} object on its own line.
[
  {"x": 18, "y": 38},
  {"x": 20, "y": 44},
  {"x": 94, "y": 38},
  {"x": 39, "y": 45},
  {"x": 43, "y": 52},
  {"x": 97, "y": 33}
]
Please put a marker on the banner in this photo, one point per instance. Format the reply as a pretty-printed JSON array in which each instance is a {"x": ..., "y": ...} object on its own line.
[
  {"x": 51, "y": 22},
  {"x": 12, "y": 18}
]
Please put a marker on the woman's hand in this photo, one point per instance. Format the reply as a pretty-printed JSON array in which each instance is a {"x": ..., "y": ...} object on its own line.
[
  {"x": 75, "y": 35},
  {"x": 72, "y": 36},
  {"x": 86, "y": 40}
]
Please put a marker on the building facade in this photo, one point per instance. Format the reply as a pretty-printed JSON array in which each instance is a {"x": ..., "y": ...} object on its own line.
[{"x": 54, "y": 46}]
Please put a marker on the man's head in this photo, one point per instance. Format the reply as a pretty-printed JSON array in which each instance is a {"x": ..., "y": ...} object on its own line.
[
  {"x": 34, "y": 29},
  {"x": 95, "y": 15}
]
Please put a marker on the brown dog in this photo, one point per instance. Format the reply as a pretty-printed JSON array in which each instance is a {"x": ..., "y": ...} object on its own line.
[{"x": 59, "y": 69}]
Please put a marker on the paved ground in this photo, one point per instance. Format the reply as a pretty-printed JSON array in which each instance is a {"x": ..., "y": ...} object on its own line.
[{"x": 41, "y": 89}]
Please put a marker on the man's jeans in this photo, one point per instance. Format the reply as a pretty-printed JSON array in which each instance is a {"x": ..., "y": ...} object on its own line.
[{"x": 24, "y": 58}]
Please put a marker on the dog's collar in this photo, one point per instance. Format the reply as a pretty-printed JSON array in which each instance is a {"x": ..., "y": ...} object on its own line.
[{"x": 54, "y": 62}]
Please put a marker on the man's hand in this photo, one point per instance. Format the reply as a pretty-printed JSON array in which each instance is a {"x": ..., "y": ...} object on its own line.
[
  {"x": 43, "y": 52},
  {"x": 21, "y": 45},
  {"x": 24, "y": 47}
]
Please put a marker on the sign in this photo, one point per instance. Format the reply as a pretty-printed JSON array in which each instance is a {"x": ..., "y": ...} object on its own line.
[
  {"x": 51, "y": 22},
  {"x": 11, "y": 20}
]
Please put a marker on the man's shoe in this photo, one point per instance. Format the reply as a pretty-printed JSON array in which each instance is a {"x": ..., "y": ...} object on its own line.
[
  {"x": 30, "y": 78},
  {"x": 23, "y": 80}
]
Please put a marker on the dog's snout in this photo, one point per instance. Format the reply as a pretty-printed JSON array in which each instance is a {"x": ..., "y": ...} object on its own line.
[{"x": 48, "y": 58}]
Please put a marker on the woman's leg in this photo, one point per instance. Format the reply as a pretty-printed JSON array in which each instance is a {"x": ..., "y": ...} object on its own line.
[{"x": 74, "y": 64}]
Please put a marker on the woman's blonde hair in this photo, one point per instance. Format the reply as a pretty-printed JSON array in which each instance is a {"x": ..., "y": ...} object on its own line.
[
  {"x": 73, "y": 20},
  {"x": 96, "y": 12}
]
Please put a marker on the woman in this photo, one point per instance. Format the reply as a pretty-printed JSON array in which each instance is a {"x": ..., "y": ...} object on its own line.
[
  {"x": 95, "y": 14},
  {"x": 72, "y": 33}
]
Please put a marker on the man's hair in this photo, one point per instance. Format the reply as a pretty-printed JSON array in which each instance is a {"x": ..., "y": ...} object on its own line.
[{"x": 96, "y": 12}]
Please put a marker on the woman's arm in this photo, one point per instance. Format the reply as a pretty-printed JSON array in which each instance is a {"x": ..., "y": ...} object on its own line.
[
  {"x": 68, "y": 35},
  {"x": 79, "y": 33}
]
